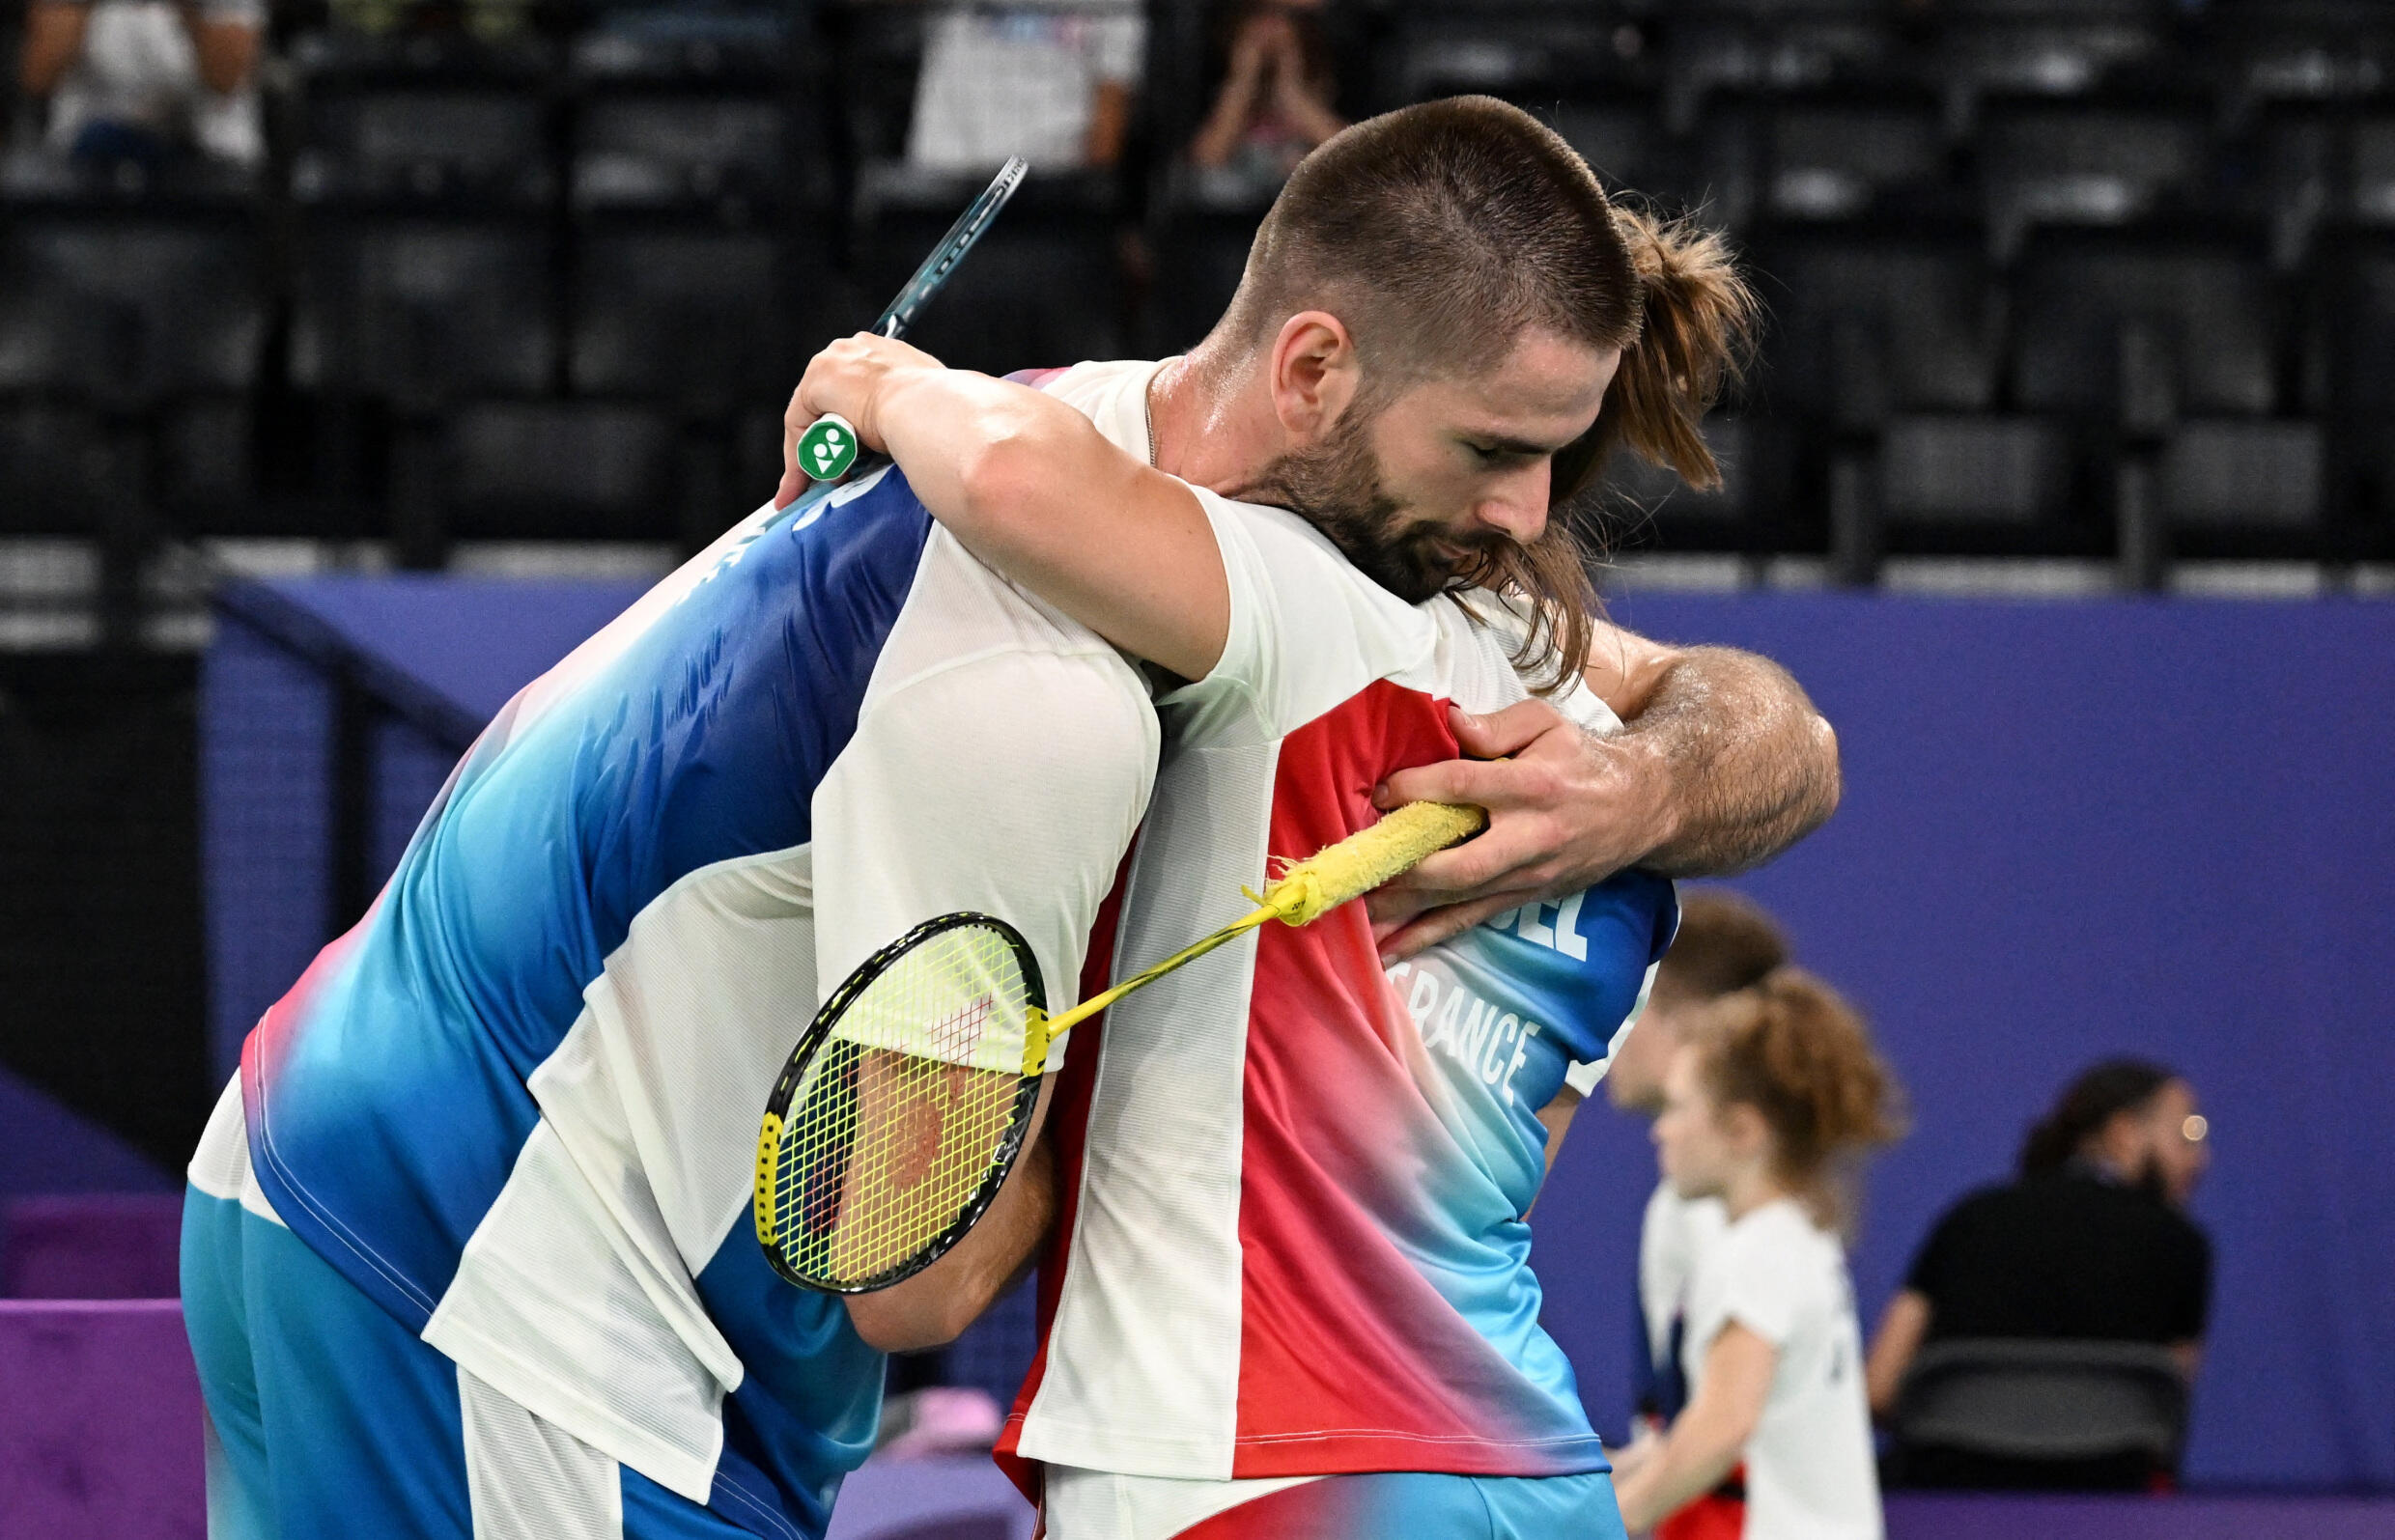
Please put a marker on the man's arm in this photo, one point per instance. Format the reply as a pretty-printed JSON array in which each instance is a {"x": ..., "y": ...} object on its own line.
[
  {"x": 1034, "y": 489},
  {"x": 1722, "y": 764},
  {"x": 937, "y": 1304}
]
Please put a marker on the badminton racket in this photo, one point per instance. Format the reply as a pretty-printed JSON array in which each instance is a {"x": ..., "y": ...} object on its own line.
[
  {"x": 828, "y": 448},
  {"x": 905, "y": 1104}
]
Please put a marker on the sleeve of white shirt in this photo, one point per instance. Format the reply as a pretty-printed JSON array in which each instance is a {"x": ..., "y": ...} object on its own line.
[
  {"x": 1306, "y": 629},
  {"x": 1009, "y": 784},
  {"x": 1761, "y": 1289}
]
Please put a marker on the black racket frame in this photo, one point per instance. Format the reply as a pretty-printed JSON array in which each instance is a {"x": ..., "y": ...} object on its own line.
[{"x": 818, "y": 1033}]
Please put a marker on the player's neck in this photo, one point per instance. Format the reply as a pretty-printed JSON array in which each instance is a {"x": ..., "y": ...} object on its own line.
[
  {"x": 1209, "y": 428},
  {"x": 1751, "y": 1188}
]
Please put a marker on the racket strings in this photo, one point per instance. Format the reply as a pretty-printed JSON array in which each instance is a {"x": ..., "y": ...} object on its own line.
[{"x": 907, "y": 1111}]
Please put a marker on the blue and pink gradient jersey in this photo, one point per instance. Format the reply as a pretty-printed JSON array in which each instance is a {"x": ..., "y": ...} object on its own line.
[
  {"x": 1293, "y": 1183},
  {"x": 517, "y": 1106}
]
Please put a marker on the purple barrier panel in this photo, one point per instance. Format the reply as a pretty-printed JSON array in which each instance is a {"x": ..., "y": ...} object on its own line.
[
  {"x": 1992, "y": 1516},
  {"x": 92, "y": 1246},
  {"x": 960, "y": 1497},
  {"x": 100, "y": 1421}
]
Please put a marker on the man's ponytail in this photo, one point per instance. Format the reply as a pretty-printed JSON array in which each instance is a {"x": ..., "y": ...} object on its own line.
[{"x": 1696, "y": 337}]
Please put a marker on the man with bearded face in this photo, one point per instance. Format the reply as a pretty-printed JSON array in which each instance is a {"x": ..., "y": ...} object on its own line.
[{"x": 1288, "y": 1293}]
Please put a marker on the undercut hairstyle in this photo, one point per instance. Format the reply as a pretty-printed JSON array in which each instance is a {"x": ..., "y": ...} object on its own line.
[
  {"x": 1438, "y": 233},
  {"x": 1725, "y": 943},
  {"x": 1794, "y": 1050},
  {"x": 2102, "y": 1093}
]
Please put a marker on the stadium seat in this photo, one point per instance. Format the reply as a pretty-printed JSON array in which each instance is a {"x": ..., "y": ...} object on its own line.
[
  {"x": 2089, "y": 163},
  {"x": 709, "y": 151},
  {"x": 2047, "y": 47},
  {"x": 691, "y": 318},
  {"x": 2370, "y": 196},
  {"x": 420, "y": 312},
  {"x": 1832, "y": 155},
  {"x": 1976, "y": 471},
  {"x": 1864, "y": 324},
  {"x": 1885, "y": 354},
  {"x": 1524, "y": 50},
  {"x": 2312, "y": 50},
  {"x": 2040, "y": 1401},
  {"x": 122, "y": 308},
  {"x": 1643, "y": 501},
  {"x": 2239, "y": 477},
  {"x": 1043, "y": 286},
  {"x": 692, "y": 44},
  {"x": 2091, "y": 308},
  {"x": 558, "y": 471},
  {"x": 447, "y": 145},
  {"x": 1755, "y": 45}
]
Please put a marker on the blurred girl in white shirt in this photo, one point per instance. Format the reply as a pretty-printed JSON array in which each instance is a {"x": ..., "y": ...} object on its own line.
[{"x": 1767, "y": 1108}]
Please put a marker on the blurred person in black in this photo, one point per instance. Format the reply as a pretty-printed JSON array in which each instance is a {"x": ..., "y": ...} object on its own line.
[{"x": 2090, "y": 1242}]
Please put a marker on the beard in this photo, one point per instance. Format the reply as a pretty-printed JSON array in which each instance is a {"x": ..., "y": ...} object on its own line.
[{"x": 1336, "y": 486}]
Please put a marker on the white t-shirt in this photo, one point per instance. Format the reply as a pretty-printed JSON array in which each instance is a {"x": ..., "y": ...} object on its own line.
[
  {"x": 1674, "y": 1239},
  {"x": 138, "y": 69},
  {"x": 1000, "y": 82},
  {"x": 1250, "y": 1282},
  {"x": 1809, "y": 1470}
]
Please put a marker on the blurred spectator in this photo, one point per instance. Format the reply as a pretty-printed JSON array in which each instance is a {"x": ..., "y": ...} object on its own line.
[
  {"x": 2088, "y": 1243},
  {"x": 1274, "y": 106},
  {"x": 1725, "y": 943},
  {"x": 1765, "y": 1110},
  {"x": 1051, "y": 84},
  {"x": 145, "y": 80}
]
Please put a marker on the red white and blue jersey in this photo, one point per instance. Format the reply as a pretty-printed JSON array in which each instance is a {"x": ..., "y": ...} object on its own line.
[
  {"x": 516, "y": 1105},
  {"x": 1294, "y": 1184}
]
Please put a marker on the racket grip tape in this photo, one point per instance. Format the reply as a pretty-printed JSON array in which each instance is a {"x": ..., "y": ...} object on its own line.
[
  {"x": 829, "y": 447},
  {"x": 1365, "y": 860}
]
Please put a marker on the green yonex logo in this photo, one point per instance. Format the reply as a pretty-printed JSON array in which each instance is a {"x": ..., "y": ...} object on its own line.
[{"x": 828, "y": 448}]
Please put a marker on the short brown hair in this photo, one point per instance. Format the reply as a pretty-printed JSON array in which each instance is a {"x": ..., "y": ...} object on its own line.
[
  {"x": 1725, "y": 943},
  {"x": 1794, "y": 1050},
  {"x": 1439, "y": 233}
]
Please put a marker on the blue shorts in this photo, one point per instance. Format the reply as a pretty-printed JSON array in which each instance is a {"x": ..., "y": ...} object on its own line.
[{"x": 329, "y": 1420}]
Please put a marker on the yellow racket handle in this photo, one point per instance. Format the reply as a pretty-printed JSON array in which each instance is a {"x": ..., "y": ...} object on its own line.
[{"x": 1305, "y": 892}]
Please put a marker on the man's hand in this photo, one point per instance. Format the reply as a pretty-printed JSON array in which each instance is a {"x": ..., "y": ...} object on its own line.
[
  {"x": 1722, "y": 764},
  {"x": 848, "y": 377},
  {"x": 1566, "y": 809}
]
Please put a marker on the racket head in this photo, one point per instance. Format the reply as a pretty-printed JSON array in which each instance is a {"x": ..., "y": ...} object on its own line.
[{"x": 896, "y": 1119}]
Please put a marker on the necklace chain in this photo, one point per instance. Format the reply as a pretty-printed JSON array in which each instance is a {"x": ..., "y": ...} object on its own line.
[{"x": 1147, "y": 407}]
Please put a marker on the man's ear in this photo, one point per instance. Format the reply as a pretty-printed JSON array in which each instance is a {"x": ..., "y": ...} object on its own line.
[{"x": 1316, "y": 376}]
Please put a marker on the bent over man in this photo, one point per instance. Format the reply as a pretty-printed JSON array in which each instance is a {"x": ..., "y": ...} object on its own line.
[{"x": 466, "y": 1248}]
